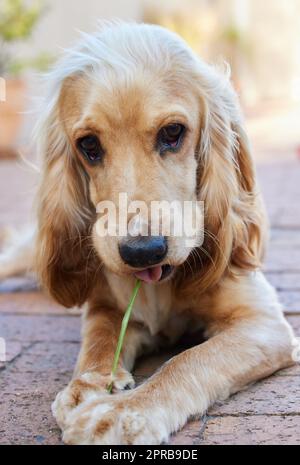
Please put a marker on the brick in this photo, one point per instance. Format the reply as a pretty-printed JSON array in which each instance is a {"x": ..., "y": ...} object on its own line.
[
  {"x": 13, "y": 350},
  {"x": 284, "y": 259},
  {"x": 17, "y": 191},
  {"x": 25, "y": 405},
  {"x": 252, "y": 430},
  {"x": 50, "y": 357},
  {"x": 283, "y": 253},
  {"x": 284, "y": 281},
  {"x": 285, "y": 237},
  {"x": 283, "y": 204},
  {"x": 290, "y": 301},
  {"x": 32, "y": 303},
  {"x": 189, "y": 435},
  {"x": 274, "y": 395},
  {"x": 30, "y": 383},
  {"x": 32, "y": 328},
  {"x": 295, "y": 323},
  {"x": 18, "y": 284},
  {"x": 27, "y": 419},
  {"x": 28, "y": 387}
]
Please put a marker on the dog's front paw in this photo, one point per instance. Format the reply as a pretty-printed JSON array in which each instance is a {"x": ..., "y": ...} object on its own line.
[
  {"x": 90, "y": 386},
  {"x": 115, "y": 420}
]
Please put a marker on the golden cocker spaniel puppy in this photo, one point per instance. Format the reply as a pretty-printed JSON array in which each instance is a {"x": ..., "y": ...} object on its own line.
[{"x": 133, "y": 110}]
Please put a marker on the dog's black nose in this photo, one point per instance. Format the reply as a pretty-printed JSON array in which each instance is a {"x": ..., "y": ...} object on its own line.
[{"x": 142, "y": 252}]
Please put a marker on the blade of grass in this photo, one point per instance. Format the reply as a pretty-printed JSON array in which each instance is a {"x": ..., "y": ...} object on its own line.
[{"x": 124, "y": 325}]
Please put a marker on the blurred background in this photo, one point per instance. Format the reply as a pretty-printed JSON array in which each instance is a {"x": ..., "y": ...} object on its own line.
[{"x": 260, "y": 41}]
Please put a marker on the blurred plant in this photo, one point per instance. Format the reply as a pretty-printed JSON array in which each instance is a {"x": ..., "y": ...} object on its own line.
[
  {"x": 41, "y": 62},
  {"x": 18, "y": 19},
  {"x": 187, "y": 25},
  {"x": 208, "y": 34},
  {"x": 233, "y": 38},
  {"x": 237, "y": 48}
]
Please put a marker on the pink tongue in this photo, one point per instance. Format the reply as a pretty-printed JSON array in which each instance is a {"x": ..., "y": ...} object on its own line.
[{"x": 150, "y": 275}]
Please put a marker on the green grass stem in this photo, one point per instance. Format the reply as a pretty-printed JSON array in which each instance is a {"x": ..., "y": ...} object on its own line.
[{"x": 124, "y": 325}]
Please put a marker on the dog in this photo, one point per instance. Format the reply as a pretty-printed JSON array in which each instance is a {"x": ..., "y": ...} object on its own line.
[{"x": 133, "y": 110}]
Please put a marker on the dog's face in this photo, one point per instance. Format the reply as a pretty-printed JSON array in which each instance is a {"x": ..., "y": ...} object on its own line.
[
  {"x": 140, "y": 140},
  {"x": 134, "y": 112}
]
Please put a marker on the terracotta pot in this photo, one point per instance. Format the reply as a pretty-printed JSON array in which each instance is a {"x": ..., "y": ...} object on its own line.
[{"x": 10, "y": 116}]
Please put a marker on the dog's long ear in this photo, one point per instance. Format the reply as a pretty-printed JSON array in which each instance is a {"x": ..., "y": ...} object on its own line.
[
  {"x": 226, "y": 184},
  {"x": 248, "y": 213},
  {"x": 65, "y": 260}
]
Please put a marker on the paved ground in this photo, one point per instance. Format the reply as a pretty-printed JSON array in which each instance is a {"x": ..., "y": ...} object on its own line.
[{"x": 43, "y": 338}]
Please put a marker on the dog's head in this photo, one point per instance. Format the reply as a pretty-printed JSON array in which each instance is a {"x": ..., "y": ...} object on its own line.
[{"x": 134, "y": 112}]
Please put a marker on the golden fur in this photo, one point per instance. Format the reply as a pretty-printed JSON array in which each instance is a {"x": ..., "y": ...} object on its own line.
[{"x": 125, "y": 83}]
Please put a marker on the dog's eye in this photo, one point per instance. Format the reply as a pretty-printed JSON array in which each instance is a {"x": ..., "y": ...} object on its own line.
[
  {"x": 170, "y": 137},
  {"x": 91, "y": 148}
]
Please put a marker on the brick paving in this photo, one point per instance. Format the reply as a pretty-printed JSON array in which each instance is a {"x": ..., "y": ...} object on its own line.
[{"x": 43, "y": 338}]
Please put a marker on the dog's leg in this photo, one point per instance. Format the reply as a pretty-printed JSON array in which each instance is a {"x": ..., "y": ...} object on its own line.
[
  {"x": 93, "y": 371},
  {"x": 250, "y": 340},
  {"x": 17, "y": 254}
]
